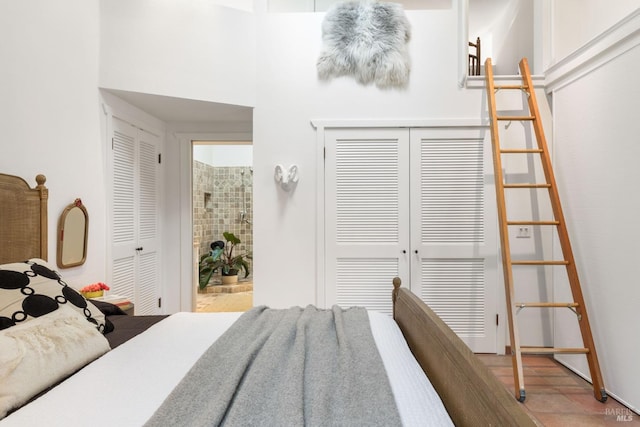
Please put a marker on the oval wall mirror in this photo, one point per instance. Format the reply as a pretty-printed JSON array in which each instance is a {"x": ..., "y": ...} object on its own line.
[{"x": 73, "y": 230}]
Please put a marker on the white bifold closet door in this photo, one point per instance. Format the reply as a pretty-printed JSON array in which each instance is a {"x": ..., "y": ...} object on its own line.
[
  {"x": 134, "y": 217},
  {"x": 366, "y": 215},
  {"x": 413, "y": 203}
]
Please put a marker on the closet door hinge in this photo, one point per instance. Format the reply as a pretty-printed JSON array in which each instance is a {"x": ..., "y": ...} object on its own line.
[
  {"x": 159, "y": 302},
  {"x": 159, "y": 158},
  {"x": 497, "y": 319}
]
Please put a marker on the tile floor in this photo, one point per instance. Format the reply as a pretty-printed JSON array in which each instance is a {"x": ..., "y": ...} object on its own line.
[
  {"x": 226, "y": 301},
  {"x": 555, "y": 395},
  {"x": 558, "y": 397}
]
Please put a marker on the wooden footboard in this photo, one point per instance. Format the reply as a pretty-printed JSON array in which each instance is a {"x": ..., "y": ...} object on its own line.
[{"x": 472, "y": 395}]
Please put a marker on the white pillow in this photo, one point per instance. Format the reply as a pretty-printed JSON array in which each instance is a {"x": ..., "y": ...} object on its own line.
[{"x": 39, "y": 353}]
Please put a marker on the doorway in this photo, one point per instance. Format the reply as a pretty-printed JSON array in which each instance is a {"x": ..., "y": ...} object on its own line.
[{"x": 222, "y": 191}]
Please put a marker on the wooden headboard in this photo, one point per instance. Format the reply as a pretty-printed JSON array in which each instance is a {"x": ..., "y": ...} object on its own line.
[
  {"x": 472, "y": 395},
  {"x": 23, "y": 219}
]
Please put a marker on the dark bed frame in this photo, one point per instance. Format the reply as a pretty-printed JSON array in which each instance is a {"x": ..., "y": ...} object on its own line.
[{"x": 472, "y": 395}]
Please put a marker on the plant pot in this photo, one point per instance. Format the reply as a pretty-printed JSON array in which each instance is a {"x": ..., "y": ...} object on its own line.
[
  {"x": 230, "y": 279},
  {"x": 94, "y": 294}
]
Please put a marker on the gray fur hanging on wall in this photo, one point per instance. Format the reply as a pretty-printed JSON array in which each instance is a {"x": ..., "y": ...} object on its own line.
[{"x": 367, "y": 40}]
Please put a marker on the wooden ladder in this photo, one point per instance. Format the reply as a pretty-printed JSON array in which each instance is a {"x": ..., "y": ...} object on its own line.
[{"x": 577, "y": 305}]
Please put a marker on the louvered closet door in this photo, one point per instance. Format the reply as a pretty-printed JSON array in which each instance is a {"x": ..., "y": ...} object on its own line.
[
  {"x": 367, "y": 217},
  {"x": 123, "y": 212},
  {"x": 134, "y": 212},
  {"x": 453, "y": 231},
  {"x": 148, "y": 280}
]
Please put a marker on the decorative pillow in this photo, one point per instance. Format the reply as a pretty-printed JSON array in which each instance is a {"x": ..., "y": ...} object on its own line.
[
  {"x": 33, "y": 288},
  {"x": 43, "y": 351}
]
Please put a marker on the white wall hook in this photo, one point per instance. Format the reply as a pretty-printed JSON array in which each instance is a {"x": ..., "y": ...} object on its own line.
[{"x": 287, "y": 178}]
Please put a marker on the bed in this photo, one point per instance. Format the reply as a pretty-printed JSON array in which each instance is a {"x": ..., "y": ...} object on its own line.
[{"x": 138, "y": 364}]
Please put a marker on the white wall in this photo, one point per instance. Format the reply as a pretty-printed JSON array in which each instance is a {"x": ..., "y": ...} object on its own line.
[
  {"x": 289, "y": 95},
  {"x": 513, "y": 37},
  {"x": 144, "y": 39},
  {"x": 50, "y": 112},
  {"x": 505, "y": 28},
  {"x": 192, "y": 50},
  {"x": 246, "y": 5},
  {"x": 575, "y": 22},
  {"x": 324, "y": 5},
  {"x": 596, "y": 151}
]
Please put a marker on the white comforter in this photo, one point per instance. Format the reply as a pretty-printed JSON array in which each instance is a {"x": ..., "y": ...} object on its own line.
[{"x": 125, "y": 386}]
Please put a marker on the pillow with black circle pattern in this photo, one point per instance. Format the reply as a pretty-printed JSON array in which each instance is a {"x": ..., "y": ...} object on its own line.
[{"x": 33, "y": 288}]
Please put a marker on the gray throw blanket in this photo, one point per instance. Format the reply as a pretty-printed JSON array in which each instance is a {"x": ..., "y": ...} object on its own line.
[{"x": 293, "y": 367}]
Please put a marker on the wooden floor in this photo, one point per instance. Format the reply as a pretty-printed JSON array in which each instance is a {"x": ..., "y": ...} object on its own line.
[{"x": 558, "y": 397}]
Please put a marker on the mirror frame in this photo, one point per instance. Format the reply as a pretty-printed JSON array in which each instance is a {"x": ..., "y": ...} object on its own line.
[{"x": 77, "y": 204}]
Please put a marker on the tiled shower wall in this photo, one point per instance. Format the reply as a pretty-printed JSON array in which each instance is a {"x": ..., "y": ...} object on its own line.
[{"x": 220, "y": 194}]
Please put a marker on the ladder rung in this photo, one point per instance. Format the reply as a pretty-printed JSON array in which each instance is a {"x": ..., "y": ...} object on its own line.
[
  {"x": 520, "y": 87},
  {"x": 515, "y": 118},
  {"x": 546, "y": 304},
  {"x": 521, "y": 150},
  {"x": 533, "y": 222},
  {"x": 527, "y": 185},
  {"x": 552, "y": 350},
  {"x": 539, "y": 262}
]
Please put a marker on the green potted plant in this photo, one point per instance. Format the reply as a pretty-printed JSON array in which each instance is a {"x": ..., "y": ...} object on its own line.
[{"x": 222, "y": 257}]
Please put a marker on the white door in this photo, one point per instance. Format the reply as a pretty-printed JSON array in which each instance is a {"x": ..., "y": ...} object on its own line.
[
  {"x": 453, "y": 231},
  {"x": 367, "y": 215},
  {"x": 134, "y": 213},
  {"x": 411, "y": 203}
]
